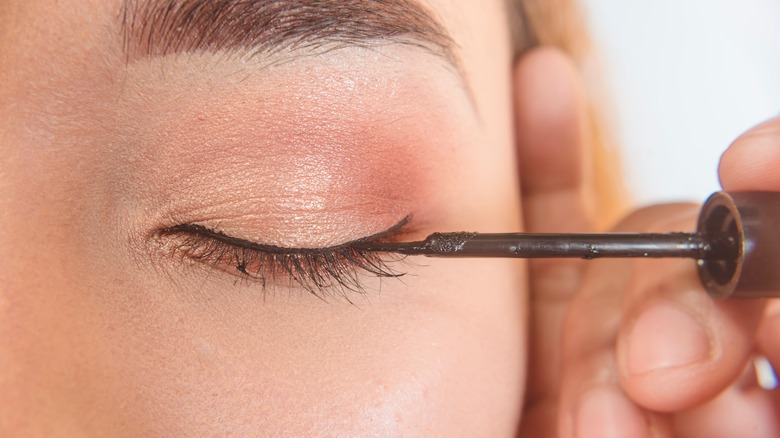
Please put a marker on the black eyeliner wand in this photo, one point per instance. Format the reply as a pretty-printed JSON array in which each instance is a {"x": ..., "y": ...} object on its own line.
[
  {"x": 736, "y": 245},
  {"x": 586, "y": 246}
]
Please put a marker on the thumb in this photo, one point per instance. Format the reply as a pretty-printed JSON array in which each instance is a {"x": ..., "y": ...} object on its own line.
[{"x": 751, "y": 162}]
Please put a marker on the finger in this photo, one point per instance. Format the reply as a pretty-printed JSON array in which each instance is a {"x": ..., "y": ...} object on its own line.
[
  {"x": 744, "y": 409},
  {"x": 553, "y": 155},
  {"x": 769, "y": 346},
  {"x": 677, "y": 348},
  {"x": 768, "y": 337},
  {"x": 751, "y": 162},
  {"x": 552, "y": 143},
  {"x": 592, "y": 401}
]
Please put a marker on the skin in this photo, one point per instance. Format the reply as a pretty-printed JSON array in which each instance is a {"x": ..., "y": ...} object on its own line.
[{"x": 104, "y": 333}]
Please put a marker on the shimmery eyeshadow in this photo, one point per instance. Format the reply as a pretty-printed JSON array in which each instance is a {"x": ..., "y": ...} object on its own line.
[{"x": 312, "y": 154}]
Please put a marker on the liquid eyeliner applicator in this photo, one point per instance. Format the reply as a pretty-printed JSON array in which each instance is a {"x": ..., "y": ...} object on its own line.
[{"x": 736, "y": 245}]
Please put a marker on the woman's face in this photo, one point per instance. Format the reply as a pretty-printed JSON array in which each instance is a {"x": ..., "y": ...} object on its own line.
[{"x": 132, "y": 133}]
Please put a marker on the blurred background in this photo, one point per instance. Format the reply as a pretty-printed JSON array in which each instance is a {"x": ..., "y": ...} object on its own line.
[{"x": 686, "y": 78}]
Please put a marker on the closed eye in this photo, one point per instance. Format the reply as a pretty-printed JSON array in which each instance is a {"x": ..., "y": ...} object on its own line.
[{"x": 321, "y": 271}]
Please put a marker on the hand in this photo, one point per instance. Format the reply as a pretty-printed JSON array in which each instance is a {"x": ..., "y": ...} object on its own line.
[
  {"x": 648, "y": 353},
  {"x": 631, "y": 348}
]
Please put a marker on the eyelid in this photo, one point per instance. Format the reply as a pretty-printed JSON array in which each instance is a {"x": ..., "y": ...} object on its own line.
[{"x": 334, "y": 270}]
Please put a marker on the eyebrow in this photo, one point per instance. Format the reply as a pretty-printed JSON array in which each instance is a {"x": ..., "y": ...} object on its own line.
[{"x": 266, "y": 27}]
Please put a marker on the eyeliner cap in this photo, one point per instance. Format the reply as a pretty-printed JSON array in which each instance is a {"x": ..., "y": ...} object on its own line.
[{"x": 745, "y": 238}]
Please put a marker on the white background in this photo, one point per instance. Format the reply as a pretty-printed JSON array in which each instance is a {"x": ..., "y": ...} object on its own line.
[{"x": 686, "y": 77}]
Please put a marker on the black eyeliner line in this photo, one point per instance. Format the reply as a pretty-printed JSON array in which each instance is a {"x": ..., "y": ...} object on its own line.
[{"x": 274, "y": 249}]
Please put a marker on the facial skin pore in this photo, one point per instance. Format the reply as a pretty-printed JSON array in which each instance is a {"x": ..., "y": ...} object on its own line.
[{"x": 101, "y": 333}]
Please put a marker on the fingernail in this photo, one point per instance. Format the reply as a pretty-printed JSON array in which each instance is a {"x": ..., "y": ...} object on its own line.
[
  {"x": 607, "y": 413},
  {"x": 665, "y": 336}
]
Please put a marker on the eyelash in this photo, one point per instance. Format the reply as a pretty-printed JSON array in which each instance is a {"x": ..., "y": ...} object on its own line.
[{"x": 322, "y": 272}]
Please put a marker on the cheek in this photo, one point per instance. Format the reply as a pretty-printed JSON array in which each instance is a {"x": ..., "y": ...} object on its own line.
[{"x": 443, "y": 355}]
